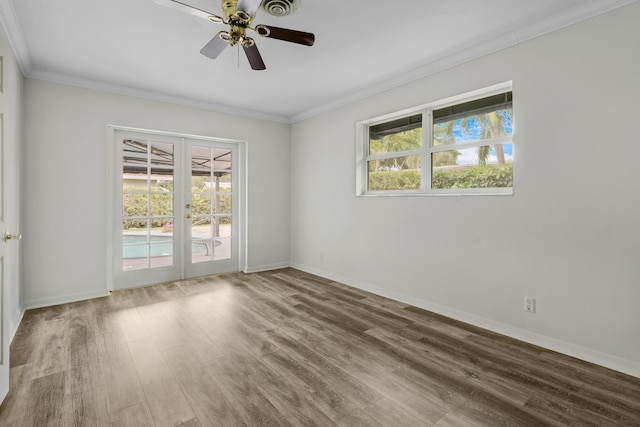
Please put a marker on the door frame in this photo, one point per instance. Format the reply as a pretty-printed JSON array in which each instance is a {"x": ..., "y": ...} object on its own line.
[{"x": 113, "y": 219}]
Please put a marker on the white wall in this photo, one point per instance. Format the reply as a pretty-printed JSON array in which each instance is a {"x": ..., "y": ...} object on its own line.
[
  {"x": 570, "y": 236},
  {"x": 64, "y": 216},
  {"x": 11, "y": 107}
]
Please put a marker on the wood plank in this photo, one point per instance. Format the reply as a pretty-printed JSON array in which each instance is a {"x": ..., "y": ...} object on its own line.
[
  {"x": 385, "y": 411},
  {"x": 131, "y": 324},
  {"x": 289, "y": 348},
  {"x": 453, "y": 420},
  {"x": 52, "y": 353},
  {"x": 296, "y": 404},
  {"x": 86, "y": 408},
  {"x": 123, "y": 387},
  {"x": 48, "y": 394},
  {"x": 242, "y": 390},
  {"x": 329, "y": 401},
  {"x": 337, "y": 379},
  {"x": 206, "y": 399},
  {"x": 164, "y": 396},
  {"x": 137, "y": 415}
]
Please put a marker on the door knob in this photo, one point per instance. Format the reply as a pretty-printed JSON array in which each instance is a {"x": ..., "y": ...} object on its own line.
[
  {"x": 188, "y": 216},
  {"x": 8, "y": 236}
]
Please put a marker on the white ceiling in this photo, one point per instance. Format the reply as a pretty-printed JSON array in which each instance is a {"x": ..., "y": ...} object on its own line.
[{"x": 141, "y": 48}]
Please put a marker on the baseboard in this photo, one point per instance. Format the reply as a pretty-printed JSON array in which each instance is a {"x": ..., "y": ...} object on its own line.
[
  {"x": 589, "y": 355},
  {"x": 266, "y": 267},
  {"x": 63, "y": 299},
  {"x": 14, "y": 327}
]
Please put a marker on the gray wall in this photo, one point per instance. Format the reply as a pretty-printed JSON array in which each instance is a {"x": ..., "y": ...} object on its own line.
[
  {"x": 569, "y": 236},
  {"x": 64, "y": 186}
]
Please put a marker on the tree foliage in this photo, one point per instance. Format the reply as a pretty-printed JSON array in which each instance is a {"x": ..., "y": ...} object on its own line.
[{"x": 401, "y": 141}]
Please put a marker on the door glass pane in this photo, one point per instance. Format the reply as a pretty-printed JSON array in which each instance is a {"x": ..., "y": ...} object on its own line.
[
  {"x": 201, "y": 203},
  {"x": 222, "y": 249},
  {"x": 211, "y": 198},
  {"x": 161, "y": 253},
  {"x": 161, "y": 156},
  {"x": 201, "y": 228},
  {"x": 222, "y": 226},
  {"x": 135, "y": 257},
  {"x": 135, "y": 155},
  {"x": 225, "y": 181},
  {"x": 222, "y": 159},
  {"x": 134, "y": 204},
  {"x": 223, "y": 204},
  {"x": 161, "y": 205},
  {"x": 201, "y": 251},
  {"x": 147, "y": 204}
]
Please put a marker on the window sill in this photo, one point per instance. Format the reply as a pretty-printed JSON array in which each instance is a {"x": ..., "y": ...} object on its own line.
[{"x": 443, "y": 193}]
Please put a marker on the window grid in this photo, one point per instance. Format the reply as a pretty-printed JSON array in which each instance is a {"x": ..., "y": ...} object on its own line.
[{"x": 429, "y": 147}]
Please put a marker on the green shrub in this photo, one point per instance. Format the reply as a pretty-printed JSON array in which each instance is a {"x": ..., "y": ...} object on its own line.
[
  {"x": 161, "y": 205},
  {"x": 483, "y": 176},
  {"x": 407, "y": 179}
]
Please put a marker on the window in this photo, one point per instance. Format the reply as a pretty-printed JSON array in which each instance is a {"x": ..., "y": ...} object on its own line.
[{"x": 463, "y": 145}]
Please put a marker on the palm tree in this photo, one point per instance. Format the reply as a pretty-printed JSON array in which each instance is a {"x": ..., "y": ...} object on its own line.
[
  {"x": 443, "y": 135},
  {"x": 492, "y": 125}
]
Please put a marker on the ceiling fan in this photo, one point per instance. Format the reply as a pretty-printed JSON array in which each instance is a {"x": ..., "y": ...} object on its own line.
[{"x": 239, "y": 16}]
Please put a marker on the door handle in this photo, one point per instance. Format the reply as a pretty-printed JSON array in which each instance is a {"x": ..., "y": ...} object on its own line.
[
  {"x": 8, "y": 236},
  {"x": 188, "y": 216}
]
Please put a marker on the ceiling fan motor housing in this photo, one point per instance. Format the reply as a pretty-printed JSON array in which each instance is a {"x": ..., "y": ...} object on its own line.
[{"x": 280, "y": 7}]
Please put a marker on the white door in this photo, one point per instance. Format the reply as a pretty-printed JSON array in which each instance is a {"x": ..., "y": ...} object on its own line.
[
  {"x": 175, "y": 205},
  {"x": 8, "y": 241},
  {"x": 146, "y": 237},
  {"x": 212, "y": 199},
  {"x": 4, "y": 307}
]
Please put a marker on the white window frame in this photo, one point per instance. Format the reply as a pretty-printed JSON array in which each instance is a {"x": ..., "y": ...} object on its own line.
[{"x": 427, "y": 149}]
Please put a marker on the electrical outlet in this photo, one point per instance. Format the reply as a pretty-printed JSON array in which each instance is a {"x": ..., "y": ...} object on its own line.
[{"x": 529, "y": 305}]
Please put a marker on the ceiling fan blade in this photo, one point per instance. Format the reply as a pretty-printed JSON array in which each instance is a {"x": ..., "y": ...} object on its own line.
[
  {"x": 215, "y": 47},
  {"x": 190, "y": 9},
  {"x": 249, "y": 6},
  {"x": 287, "y": 35},
  {"x": 254, "y": 57}
]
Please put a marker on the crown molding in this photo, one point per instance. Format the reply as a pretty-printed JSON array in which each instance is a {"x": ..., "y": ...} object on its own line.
[
  {"x": 151, "y": 95},
  {"x": 9, "y": 22}
]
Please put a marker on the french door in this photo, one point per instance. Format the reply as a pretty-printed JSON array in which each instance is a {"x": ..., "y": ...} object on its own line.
[{"x": 176, "y": 203}]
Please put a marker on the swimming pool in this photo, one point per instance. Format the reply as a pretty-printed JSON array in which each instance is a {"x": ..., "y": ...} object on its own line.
[{"x": 136, "y": 246}]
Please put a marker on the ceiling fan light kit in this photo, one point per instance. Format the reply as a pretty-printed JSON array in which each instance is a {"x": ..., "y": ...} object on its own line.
[{"x": 239, "y": 16}]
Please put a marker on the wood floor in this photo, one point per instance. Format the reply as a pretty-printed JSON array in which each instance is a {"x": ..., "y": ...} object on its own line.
[{"x": 286, "y": 348}]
